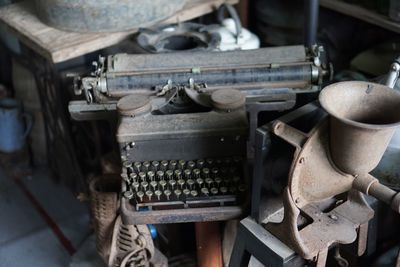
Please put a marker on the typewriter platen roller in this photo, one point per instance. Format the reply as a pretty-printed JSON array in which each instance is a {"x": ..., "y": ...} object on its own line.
[
  {"x": 296, "y": 67},
  {"x": 182, "y": 166}
]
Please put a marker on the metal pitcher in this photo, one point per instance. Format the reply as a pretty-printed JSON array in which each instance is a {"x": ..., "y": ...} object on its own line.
[{"x": 15, "y": 125}]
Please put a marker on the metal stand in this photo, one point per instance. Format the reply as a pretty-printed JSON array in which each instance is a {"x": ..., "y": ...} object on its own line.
[{"x": 253, "y": 239}]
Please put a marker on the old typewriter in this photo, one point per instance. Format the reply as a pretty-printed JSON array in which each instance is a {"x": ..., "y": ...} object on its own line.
[{"x": 184, "y": 122}]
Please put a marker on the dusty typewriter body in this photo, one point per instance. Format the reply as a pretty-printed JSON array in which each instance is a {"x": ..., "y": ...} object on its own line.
[
  {"x": 182, "y": 130},
  {"x": 184, "y": 166}
]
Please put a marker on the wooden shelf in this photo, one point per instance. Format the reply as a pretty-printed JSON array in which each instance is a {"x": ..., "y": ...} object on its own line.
[
  {"x": 362, "y": 14},
  {"x": 58, "y": 46}
]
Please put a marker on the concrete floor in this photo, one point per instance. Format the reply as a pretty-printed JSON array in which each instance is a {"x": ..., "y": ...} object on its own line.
[{"x": 43, "y": 224}]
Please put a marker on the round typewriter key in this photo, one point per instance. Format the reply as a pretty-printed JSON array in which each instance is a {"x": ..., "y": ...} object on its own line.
[
  {"x": 182, "y": 164},
  {"x": 193, "y": 193},
  {"x": 210, "y": 162},
  {"x": 218, "y": 181},
  {"x": 215, "y": 172},
  {"x": 206, "y": 172},
  {"x": 133, "y": 176},
  {"x": 218, "y": 161},
  {"x": 137, "y": 166},
  {"x": 190, "y": 183},
  {"x": 140, "y": 195},
  {"x": 153, "y": 185},
  {"x": 142, "y": 176},
  {"x": 144, "y": 185},
  {"x": 187, "y": 173},
  {"x": 127, "y": 164},
  {"x": 162, "y": 183},
  {"x": 155, "y": 165},
  {"x": 181, "y": 183},
  {"x": 205, "y": 191},
  {"x": 214, "y": 191},
  {"x": 164, "y": 165},
  {"x": 149, "y": 194},
  {"x": 209, "y": 182},
  {"x": 135, "y": 185},
  {"x": 200, "y": 182},
  {"x": 169, "y": 174},
  {"x": 160, "y": 175},
  {"x": 186, "y": 192},
  {"x": 167, "y": 193},
  {"x": 150, "y": 175},
  {"x": 146, "y": 166},
  {"x": 178, "y": 174},
  {"x": 172, "y": 183},
  {"x": 196, "y": 173},
  {"x": 128, "y": 194},
  {"x": 237, "y": 159},
  {"x": 200, "y": 163},
  {"x": 178, "y": 193},
  {"x": 172, "y": 164},
  {"x": 158, "y": 194},
  {"x": 191, "y": 165},
  {"x": 223, "y": 190}
]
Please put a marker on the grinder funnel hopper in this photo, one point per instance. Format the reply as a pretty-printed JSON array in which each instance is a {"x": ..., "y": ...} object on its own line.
[{"x": 364, "y": 117}]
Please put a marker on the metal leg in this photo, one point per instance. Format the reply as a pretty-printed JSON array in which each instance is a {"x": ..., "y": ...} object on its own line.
[{"x": 253, "y": 239}]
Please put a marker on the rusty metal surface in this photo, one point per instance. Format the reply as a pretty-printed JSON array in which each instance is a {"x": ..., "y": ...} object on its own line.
[
  {"x": 104, "y": 15},
  {"x": 364, "y": 118}
]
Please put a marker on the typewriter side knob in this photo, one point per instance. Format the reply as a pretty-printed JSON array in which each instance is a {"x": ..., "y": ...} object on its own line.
[
  {"x": 228, "y": 99},
  {"x": 133, "y": 105}
]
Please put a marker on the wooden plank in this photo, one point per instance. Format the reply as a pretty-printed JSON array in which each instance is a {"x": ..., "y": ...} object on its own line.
[
  {"x": 58, "y": 46},
  {"x": 361, "y": 14}
]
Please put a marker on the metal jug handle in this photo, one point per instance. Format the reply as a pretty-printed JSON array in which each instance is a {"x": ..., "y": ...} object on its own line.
[{"x": 29, "y": 123}]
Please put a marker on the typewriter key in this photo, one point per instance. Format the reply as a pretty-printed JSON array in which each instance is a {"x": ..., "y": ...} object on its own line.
[
  {"x": 172, "y": 164},
  {"x": 194, "y": 193},
  {"x": 135, "y": 185},
  {"x": 196, "y": 173},
  {"x": 137, "y": 166},
  {"x": 146, "y": 166},
  {"x": 160, "y": 175},
  {"x": 200, "y": 163},
  {"x": 142, "y": 176},
  {"x": 182, "y": 164},
  {"x": 162, "y": 183},
  {"x": 178, "y": 174},
  {"x": 223, "y": 190},
  {"x": 144, "y": 185},
  {"x": 167, "y": 193},
  {"x": 158, "y": 194},
  {"x": 214, "y": 191},
  {"x": 191, "y": 165},
  {"x": 155, "y": 165},
  {"x": 153, "y": 185},
  {"x": 190, "y": 183},
  {"x": 186, "y": 192},
  {"x": 150, "y": 175},
  {"x": 172, "y": 183},
  {"x": 169, "y": 174},
  {"x": 178, "y": 193},
  {"x": 205, "y": 191},
  {"x": 164, "y": 165},
  {"x": 128, "y": 194},
  {"x": 149, "y": 194},
  {"x": 181, "y": 183},
  {"x": 140, "y": 195}
]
